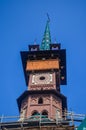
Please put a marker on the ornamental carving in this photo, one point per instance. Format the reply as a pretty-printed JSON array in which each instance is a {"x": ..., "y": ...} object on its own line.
[
  {"x": 33, "y": 100},
  {"x": 24, "y": 104},
  {"x": 47, "y": 101}
]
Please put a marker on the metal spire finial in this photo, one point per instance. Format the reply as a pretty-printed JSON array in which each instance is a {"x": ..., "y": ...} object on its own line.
[
  {"x": 48, "y": 17},
  {"x": 35, "y": 41},
  {"x": 45, "y": 45}
]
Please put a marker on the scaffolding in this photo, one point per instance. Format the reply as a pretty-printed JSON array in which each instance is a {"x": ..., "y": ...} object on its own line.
[{"x": 63, "y": 123}]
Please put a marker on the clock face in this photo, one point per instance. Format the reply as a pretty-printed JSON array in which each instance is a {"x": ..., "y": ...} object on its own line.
[{"x": 44, "y": 78}]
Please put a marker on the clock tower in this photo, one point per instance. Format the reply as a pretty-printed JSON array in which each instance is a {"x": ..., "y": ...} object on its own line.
[{"x": 44, "y": 70}]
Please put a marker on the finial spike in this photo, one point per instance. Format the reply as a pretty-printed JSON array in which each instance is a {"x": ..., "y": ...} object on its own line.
[
  {"x": 45, "y": 45},
  {"x": 48, "y": 17},
  {"x": 55, "y": 40},
  {"x": 35, "y": 41}
]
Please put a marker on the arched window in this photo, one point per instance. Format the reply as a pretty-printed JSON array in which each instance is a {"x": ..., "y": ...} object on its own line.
[
  {"x": 34, "y": 113},
  {"x": 40, "y": 101},
  {"x": 45, "y": 113}
]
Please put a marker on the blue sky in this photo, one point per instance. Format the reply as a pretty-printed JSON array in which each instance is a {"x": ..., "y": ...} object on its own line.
[{"x": 23, "y": 21}]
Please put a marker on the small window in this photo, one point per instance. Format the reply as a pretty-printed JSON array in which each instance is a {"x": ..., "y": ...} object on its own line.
[
  {"x": 42, "y": 78},
  {"x": 33, "y": 49},
  {"x": 55, "y": 48},
  {"x": 34, "y": 113},
  {"x": 45, "y": 113},
  {"x": 40, "y": 101}
]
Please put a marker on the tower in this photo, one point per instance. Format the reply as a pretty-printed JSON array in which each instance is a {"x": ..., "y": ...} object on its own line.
[{"x": 44, "y": 70}]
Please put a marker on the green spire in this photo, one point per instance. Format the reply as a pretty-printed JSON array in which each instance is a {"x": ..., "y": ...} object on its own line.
[{"x": 45, "y": 45}]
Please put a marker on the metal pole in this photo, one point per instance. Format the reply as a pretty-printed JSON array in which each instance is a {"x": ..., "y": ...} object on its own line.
[
  {"x": 1, "y": 120},
  {"x": 72, "y": 118},
  {"x": 57, "y": 117},
  {"x": 40, "y": 121}
]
